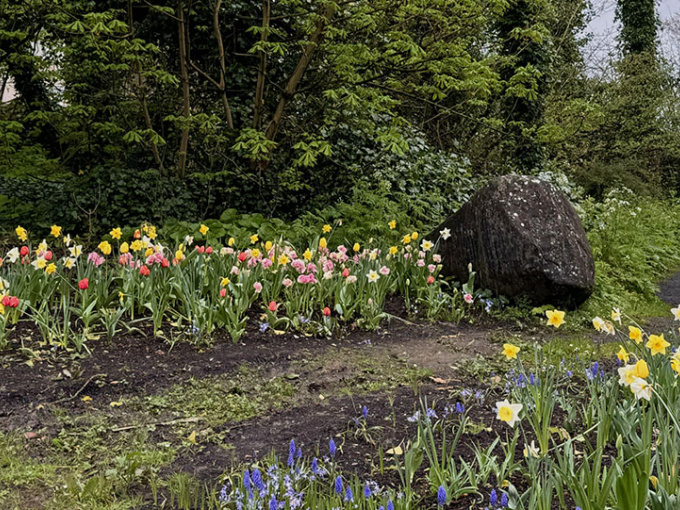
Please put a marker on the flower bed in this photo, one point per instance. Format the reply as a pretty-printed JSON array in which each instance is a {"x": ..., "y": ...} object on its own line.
[{"x": 206, "y": 283}]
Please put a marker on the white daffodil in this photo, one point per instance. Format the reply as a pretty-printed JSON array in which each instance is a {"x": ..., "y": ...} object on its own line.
[
  {"x": 507, "y": 412},
  {"x": 641, "y": 389},
  {"x": 445, "y": 233},
  {"x": 13, "y": 255}
]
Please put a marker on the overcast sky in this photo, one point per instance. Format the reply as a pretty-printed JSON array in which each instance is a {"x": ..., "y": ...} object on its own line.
[{"x": 604, "y": 31}]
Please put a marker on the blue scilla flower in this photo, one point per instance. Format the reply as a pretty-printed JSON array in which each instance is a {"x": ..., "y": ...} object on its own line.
[
  {"x": 332, "y": 448},
  {"x": 349, "y": 495},
  {"x": 256, "y": 477},
  {"x": 367, "y": 491},
  {"x": 298, "y": 453},
  {"x": 273, "y": 504},
  {"x": 431, "y": 414},
  {"x": 364, "y": 412},
  {"x": 223, "y": 494},
  {"x": 390, "y": 505},
  {"x": 246, "y": 481},
  {"x": 493, "y": 498},
  {"x": 338, "y": 485},
  {"x": 315, "y": 466},
  {"x": 264, "y": 327},
  {"x": 291, "y": 453},
  {"x": 460, "y": 408},
  {"x": 532, "y": 379},
  {"x": 570, "y": 373},
  {"x": 441, "y": 496},
  {"x": 504, "y": 500}
]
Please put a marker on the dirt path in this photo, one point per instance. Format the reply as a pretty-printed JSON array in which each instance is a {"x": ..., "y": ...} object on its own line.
[{"x": 669, "y": 290}]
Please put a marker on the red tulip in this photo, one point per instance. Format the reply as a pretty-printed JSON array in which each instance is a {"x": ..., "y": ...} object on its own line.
[
  {"x": 13, "y": 302},
  {"x": 48, "y": 255},
  {"x": 24, "y": 251},
  {"x": 165, "y": 262},
  {"x": 200, "y": 249},
  {"x": 272, "y": 306},
  {"x": 242, "y": 256},
  {"x": 144, "y": 271},
  {"x": 326, "y": 312},
  {"x": 83, "y": 284},
  {"x": 6, "y": 301},
  {"x": 138, "y": 234},
  {"x": 345, "y": 272},
  {"x": 430, "y": 280},
  {"x": 209, "y": 250},
  {"x": 223, "y": 292}
]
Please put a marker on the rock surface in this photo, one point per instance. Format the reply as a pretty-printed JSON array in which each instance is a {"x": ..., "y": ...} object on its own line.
[{"x": 524, "y": 239}]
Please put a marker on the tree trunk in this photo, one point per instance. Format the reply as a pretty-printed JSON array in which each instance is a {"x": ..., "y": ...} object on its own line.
[
  {"x": 295, "y": 79},
  {"x": 262, "y": 69},
  {"x": 186, "y": 98},
  {"x": 142, "y": 95},
  {"x": 223, "y": 65}
]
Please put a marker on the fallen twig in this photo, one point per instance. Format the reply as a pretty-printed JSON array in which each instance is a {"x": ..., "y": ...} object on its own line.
[{"x": 66, "y": 399}]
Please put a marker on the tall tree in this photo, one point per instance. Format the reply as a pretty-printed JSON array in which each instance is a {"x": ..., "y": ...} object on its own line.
[
  {"x": 639, "y": 25},
  {"x": 524, "y": 40}
]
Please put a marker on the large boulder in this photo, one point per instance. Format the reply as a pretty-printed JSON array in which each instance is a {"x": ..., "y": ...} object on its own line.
[{"x": 524, "y": 239}]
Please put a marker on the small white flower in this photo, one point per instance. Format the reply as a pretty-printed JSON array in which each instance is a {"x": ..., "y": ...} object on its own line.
[
  {"x": 445, "y": 233},
  {"x": 373, "y": 276}
]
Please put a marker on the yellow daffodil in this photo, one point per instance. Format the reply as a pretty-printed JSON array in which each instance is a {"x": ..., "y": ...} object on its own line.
[
  {"x": 116, "y": 233},
  {"x": 635, "y": 334},
  {"x": 307, "y": 255},
  {"x": 323, "y": 243},
  {"x": 55, "y": 231},
  {"x": 149, "y": 251},
  {"x": 255, "y": 253},
  {"x": 406, "y": 239},
  {"x": 510, "y": 351},
  {"x": 414, "y": 235},
  {"x": 555, "y": 317},
  {"x": 283, "y": 260},
  {"x": 69, "y": 263},
  {"x": 42, "y": 246},
  {"x": 326, "y": 229},
  {"x": 268, "y": 245},
  {"x": 151, "y": 232},
  {"x": 204, "y": 229},
  {"x": 623, "y": 355},
  {"x": 76, "y": 251},
  {"x": 124, "y": 248},
  {"x": 225, "y": 281},
  {"x": 675, "y": 362},
  {"x": 39, "y": 263},
  {"x": 393, "y": 250},
  {"x": 21, "y": 233},
  {"x": 657, "y": 344},
  {"x": 231, "y": 242},
  {"x": 105, "y": 247},
  {"x": 179, "y": 255},
  {"x": 51, "y": 269},
  {"x": 356, "y": 247},
  {"x": 254, "y": 238},
  {"x": 392, "y": 224},
  {"x": 616, "y": 315},
  {"x": 136, "y": 245},
  {"x": 641, "y": 369},
  {"x": 507, "y": 412}
]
